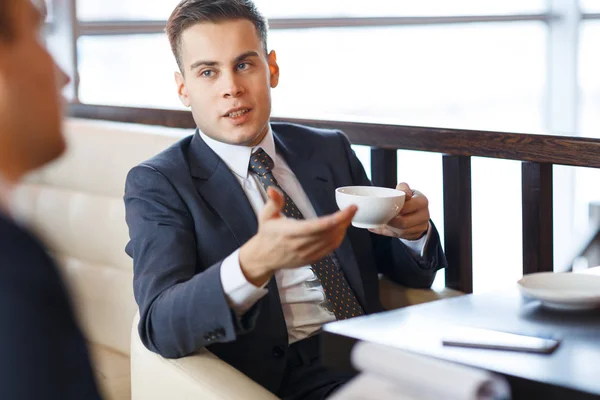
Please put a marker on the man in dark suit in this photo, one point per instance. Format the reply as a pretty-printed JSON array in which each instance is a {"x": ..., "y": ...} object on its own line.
[
  {"x": 237, "y": 242},
  {"x": 42, "y": 352}
]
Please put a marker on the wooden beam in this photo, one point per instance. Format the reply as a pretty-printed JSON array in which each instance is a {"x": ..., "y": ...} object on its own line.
[{"x": 544, "y": 149}]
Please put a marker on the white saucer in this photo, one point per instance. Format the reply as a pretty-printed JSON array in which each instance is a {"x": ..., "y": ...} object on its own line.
[{"x": 563, "y": 291}]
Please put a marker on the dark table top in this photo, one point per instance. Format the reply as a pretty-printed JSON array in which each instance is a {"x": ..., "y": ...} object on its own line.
[{"x": 572, "y": 371}]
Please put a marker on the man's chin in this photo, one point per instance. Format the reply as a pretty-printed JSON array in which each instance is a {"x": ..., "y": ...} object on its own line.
[
  {"x": 246, "y": 137},
  {"x": 52, "y": 151}
]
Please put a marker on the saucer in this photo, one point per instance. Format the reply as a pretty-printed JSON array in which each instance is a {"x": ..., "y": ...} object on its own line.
[{"x": 562, "y": 291}]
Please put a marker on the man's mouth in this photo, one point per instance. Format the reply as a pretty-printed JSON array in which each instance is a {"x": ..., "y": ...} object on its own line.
[{"x": 238, "y": 113}]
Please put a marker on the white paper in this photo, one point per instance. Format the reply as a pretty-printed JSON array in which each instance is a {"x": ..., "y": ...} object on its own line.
[
  {"x": 367, "y": 387},
  {"x": 388, "y": 373}
]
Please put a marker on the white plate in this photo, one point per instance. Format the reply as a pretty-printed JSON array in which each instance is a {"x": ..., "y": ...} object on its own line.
[
  {"x": 591, "y": 271},
  {"x": 565, "y": 291}
]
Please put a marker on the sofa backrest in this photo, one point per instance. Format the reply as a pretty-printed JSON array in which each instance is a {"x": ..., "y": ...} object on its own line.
[{"x": 76, "y": 207}]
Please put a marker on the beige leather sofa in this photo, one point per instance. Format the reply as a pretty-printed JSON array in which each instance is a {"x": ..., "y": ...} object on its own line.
[{"x": 76, "y": 206}]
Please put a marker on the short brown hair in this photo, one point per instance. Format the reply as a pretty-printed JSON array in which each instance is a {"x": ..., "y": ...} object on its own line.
[
  {"x": 191, "y": 12},
  {"x": 6, "y": 16}
]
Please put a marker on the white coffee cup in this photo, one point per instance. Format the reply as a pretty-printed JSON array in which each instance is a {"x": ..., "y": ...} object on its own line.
[{"x": 376, "y": 205}]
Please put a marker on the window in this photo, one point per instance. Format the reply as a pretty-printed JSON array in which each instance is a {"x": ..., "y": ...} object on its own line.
[
  {"x": 586, "y": 189},
  {"x": 93, "y": 10},
  {"x": 589, "y": 79},
  {"x": 398, "y": 8},
  {"x": 485, "y": 75},
  {"x": 590, "y": 6},
  {"x": 140, "y": 71},
  {"x": 107, "y": 10},
  {"x": 451, "y": 76}
]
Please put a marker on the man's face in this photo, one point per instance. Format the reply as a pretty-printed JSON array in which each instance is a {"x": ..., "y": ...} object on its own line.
[
  {"x": 227, "y": 80},
  {"x": 30, "y": 102}
]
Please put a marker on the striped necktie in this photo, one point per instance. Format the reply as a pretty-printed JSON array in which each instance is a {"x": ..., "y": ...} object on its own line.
[{"x": 340, "y": 297}]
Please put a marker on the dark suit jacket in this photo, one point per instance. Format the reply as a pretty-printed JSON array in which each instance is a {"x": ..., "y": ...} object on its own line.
[
  {"x": 187, "y": 212},
  {"x": 42, "y": 352}
]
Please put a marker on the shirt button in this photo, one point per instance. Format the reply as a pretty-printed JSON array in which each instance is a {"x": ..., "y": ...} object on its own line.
[{"x": 278, "y": 352}]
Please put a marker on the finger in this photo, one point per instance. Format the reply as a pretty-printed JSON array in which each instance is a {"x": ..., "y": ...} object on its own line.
[
  {"x": 385, "y": 232},
  {"x": 315, "y": 250},
  {"x": 304, "y": 246},
  {"x": 406, "y": 189},
  {"x": 338, "y": 236},
  {"x": 276, "y": 195},
  {"x": 415, "y": 219},
  {"x": 392, "y": 232},
  {"x": 379, "y": 231},
  {"x": 417, "y": 203},
  {"x": 274, "y": 205},
  {"x": 411, "y": 207},
  {"x": 341, "y": 219},
  {"x": 410, "y": 220},
  {"x": 314, "y": 253},
  {"x": 415, "y": 233}
]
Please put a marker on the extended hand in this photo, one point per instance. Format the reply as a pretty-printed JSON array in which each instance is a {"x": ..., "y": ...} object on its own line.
[
  {"x": 289, "y": 243},
  {"x": 413, "y": 220}
]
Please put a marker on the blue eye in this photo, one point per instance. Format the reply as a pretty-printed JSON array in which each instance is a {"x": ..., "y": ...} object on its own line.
[
  {"x": 207, "y": 73},
  {"x": 242, "y": 65}
]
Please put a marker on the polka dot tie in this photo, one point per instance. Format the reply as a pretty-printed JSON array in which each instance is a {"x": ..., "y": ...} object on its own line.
[{"x": 340, "y": 297}]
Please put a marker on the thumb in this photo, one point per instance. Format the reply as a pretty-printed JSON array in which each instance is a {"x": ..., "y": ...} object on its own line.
[
  {"x": 406, "y": 189},
  {"x": 273, "y": 206}
]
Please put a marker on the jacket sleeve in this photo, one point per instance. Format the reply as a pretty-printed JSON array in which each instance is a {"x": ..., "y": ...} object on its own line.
[
  {"x": 43, "y": 353},
  {"x": 393, "y": 258},
  {"x": 181, "y": 309}
]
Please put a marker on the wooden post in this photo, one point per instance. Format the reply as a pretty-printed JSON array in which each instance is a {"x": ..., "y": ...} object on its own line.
[
  {"x": 384, "y": 167},
  {"x": 458, "y": 225},
  {"x": 537, "y": 217}
]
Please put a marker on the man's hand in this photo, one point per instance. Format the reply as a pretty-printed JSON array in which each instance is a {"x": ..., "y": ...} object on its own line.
[
  {"x": 413, "y": 220},
  {"x": 289, "y": 243}
]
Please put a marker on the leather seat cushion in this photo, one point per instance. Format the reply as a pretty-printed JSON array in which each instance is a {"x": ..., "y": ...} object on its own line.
[{"x": 112, "y": 372}]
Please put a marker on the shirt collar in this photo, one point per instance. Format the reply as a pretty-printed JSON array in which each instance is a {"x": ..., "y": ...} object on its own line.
[{"x": 237, "y": 157}]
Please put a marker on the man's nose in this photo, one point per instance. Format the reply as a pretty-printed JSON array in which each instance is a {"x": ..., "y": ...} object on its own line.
[
  {"x": 61, "y": 77},
  {"x": 233, "y": 87}
]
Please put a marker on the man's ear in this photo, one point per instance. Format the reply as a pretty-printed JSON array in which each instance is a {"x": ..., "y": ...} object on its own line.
[
  {"x": 273, "y": 68},
  {"x": 182, "y": 91},
  {"x": 42, "y": 8}
]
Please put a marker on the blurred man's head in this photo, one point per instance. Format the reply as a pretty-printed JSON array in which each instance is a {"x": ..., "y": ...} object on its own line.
[
  {"x": 226, "y": 73},
  {"x": 30, "y": 100}
]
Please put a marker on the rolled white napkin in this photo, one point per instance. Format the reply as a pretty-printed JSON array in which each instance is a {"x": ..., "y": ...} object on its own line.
[{"x": 388, "y": 373}]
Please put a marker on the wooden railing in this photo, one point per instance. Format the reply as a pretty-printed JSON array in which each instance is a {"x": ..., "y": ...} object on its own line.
[{"x": 538, "y": 153}]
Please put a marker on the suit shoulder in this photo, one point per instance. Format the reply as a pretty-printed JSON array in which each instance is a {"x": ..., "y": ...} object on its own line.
[
  {"x": 173, "y": 158},
  {"x": 314, "y": 136},
  {"x": 22, "y": 255},
  {"x": 285, "y": 128},
  {"x": 14, "y": 237}
]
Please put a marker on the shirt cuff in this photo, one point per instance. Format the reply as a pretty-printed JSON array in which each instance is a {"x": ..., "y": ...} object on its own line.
[
  {"x": 241, "y": 295},
  {"x": 417, "y": 247}
]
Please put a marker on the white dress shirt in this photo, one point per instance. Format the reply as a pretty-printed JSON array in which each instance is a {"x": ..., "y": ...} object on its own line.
[{"x": 300, "y": 292}]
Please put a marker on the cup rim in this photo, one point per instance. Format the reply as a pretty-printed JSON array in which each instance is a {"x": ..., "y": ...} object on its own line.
[{"x": 394, "y": 193}]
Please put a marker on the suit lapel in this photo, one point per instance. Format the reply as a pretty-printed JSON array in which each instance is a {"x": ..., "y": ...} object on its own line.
[
  {"x": 217, "y": 185},
  {"x": 317, "y": 181},
  {"x": 221, "y": 190}
]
